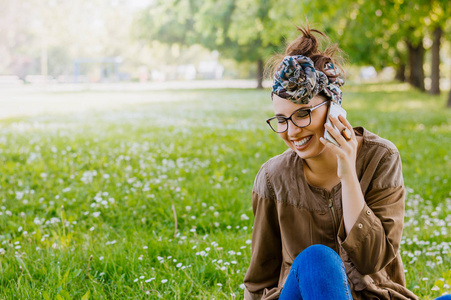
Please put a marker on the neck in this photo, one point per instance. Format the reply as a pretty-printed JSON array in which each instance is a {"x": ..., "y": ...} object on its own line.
[{"x": 325, "y": 163}]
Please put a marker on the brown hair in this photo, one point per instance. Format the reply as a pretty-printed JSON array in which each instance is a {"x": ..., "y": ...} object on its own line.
[{"x": 308, "y": 44}]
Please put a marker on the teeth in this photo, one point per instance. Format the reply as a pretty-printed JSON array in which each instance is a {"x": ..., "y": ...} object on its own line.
[{"x": 302, "y": 142}]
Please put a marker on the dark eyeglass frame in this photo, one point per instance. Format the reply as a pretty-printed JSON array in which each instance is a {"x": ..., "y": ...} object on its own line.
[{"x": 308, "y": 110}]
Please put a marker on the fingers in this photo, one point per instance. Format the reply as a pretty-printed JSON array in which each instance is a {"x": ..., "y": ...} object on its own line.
[
  {"x": 332, "y": 147},
  {"x": 335, "y": 132},
  {"x": 347, "y": 124},
  {"x": 338, "y": 123},
  {"x": 342, "y": 123}
]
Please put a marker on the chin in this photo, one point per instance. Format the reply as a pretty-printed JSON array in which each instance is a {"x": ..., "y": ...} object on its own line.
[{"x": 309, "y": 153}]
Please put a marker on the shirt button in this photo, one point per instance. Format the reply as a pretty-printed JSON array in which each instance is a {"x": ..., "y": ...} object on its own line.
[
  {"x": 368, "y": 212},
  {"x": 360, "y": 225}
]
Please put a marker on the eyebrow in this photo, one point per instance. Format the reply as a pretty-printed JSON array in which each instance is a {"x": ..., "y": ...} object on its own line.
[{"x": 302, "y": 108}]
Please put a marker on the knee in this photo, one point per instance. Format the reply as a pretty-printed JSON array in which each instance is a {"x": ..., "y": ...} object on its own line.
[{"x": 316, "y": 255}]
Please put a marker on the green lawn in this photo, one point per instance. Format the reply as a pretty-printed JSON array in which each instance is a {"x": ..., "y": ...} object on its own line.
[{"x": 88, "y": 198}]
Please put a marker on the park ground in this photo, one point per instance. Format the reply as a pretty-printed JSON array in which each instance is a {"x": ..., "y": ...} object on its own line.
[{"x": 145, "y": 194}]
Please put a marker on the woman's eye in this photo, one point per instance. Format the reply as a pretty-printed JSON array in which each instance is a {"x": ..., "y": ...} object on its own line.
[
  {"x": 302, "y": 114},
  {"x": 281, "y": 120}
]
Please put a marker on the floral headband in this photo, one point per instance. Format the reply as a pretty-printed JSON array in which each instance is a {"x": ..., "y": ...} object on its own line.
[{"x": 297, "y": 80}]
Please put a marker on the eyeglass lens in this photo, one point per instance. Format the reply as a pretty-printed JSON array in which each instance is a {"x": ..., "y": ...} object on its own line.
[{"x": 300, "y": 118}]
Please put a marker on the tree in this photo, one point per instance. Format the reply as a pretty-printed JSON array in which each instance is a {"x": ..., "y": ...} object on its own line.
[
  {"x": 247, "y": 30},
  {"x": 44, "y": 37},
  {"x": 388, "y": 33},
  {"x": 439, "y": 15},
  {"x": 435, "y": 62}
]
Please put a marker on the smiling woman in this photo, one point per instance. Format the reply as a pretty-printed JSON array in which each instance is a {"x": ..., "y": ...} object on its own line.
[{"x": 328, "y": 217}]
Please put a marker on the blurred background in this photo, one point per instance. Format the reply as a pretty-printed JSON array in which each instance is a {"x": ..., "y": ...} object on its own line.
[
  {"x": 127, "y": 164},
  {"x": 156, "y": 41}
]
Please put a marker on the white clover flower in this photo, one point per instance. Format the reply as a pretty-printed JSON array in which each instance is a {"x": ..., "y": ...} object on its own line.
[
  {"x": 96, "y": 214},
  {"x": 244, "y": 217},
  {"x": 164, "y": 281}
]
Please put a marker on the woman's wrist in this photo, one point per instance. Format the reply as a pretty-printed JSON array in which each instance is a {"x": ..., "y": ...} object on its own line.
[{"x": 349, "y": 177}]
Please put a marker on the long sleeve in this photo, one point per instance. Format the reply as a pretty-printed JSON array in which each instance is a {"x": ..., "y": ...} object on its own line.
[
  {"x": 266, "y": 256},
  {"x": 374, "y": 240}
]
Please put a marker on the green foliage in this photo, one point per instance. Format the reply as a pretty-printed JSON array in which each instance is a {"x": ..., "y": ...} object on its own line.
[
  {"x": 375, "y": 32},
  {"x": 86, "y": 198},
  {"x": 244, "y": 30},
  {"x": 371, "y": 32}
]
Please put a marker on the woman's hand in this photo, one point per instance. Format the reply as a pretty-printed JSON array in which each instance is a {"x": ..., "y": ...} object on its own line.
[
  {"x": 347, "y": 151},
  {"x": 352, "y": 197}
]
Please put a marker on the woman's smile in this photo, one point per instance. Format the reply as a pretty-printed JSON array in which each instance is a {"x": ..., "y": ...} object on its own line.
[{"x": 302, "y": 143}]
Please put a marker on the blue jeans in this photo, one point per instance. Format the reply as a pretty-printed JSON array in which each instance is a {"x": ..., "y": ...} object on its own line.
[{"x": 317, "y": 273}]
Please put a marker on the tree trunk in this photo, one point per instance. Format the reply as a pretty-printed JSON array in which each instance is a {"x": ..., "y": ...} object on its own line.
[
  {"x": 435, "y": 70},
  {"x": 401, "y": 72},
  {"x": 260, "y": 73},
  {"x": 416, "y": 60},
  {"x": 449, "y": 99}
]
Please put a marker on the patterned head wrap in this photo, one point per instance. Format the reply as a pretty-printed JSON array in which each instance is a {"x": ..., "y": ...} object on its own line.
[{"x": 297, "y": 80}]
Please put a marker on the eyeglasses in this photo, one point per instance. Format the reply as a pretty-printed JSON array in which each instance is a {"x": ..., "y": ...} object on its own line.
[{"x": 300, "y": 118}]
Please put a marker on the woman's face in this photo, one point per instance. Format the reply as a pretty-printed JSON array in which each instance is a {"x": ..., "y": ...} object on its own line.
[{"x": 304, "y": 141}]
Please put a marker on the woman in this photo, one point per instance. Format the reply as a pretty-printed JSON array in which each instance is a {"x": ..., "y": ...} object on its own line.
[{"x": 328, "y": 218}]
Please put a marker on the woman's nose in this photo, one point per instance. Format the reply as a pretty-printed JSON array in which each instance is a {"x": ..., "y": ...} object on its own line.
[{"x": 293, "y": 129}]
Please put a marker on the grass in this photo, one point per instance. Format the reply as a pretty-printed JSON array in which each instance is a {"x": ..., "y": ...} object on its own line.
[{"x": 87, "y": 199}]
